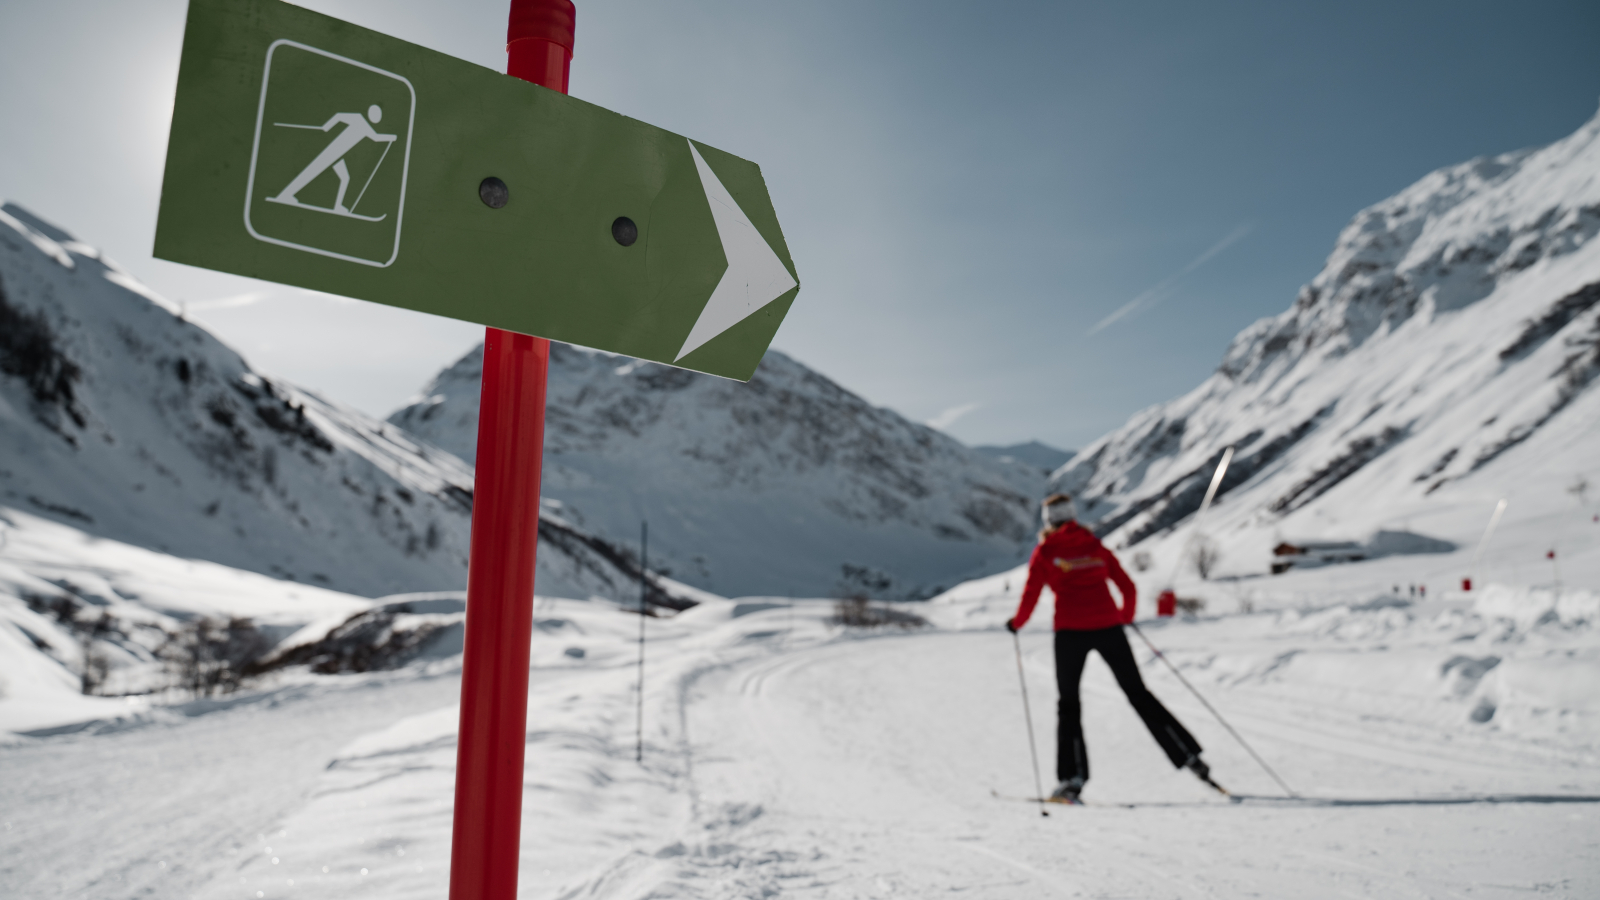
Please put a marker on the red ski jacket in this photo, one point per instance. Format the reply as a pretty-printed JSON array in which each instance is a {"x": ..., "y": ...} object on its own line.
[{"x": 1076, "y": 565}]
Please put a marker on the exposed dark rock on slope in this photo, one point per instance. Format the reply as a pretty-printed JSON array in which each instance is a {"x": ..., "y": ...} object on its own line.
[
  {"x": 789, "y": 484},
  {"x": 120, "y": 418},
  {"x": 1444, "y": 357}
]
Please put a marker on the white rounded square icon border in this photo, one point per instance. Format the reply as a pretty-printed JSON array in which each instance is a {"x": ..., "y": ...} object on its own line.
[{"x": 255, "y": 149}]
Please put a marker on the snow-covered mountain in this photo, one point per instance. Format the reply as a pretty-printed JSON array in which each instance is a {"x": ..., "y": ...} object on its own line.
[
  {"x": 121, "y": 419},
  {"x": 1033, "y": 453},
  {"x": 1444, "y": 358},
  {"x": 788, "y": 485}
]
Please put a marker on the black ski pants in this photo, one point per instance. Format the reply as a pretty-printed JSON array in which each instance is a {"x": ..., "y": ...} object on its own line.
[{"x": 1072, "y": 651}]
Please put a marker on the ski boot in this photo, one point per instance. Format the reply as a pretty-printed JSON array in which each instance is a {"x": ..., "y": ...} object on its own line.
[{"x": 1067, "y": 792}]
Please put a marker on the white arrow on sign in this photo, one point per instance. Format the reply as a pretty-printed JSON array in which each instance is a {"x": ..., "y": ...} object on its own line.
[{"x": 754, "y": 277}]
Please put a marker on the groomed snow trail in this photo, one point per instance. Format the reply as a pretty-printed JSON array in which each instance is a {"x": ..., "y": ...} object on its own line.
[
  {"x": 865, "y": 769},
  {"x": 1444, "y": 752},
  {"x": 159, "y": 807}
]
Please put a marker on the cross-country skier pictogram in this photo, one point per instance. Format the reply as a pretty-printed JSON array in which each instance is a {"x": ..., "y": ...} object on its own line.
[{"x": 356, "y": 130}]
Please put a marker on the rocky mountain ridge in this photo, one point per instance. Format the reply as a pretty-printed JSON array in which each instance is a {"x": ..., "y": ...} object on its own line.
[
  {"x": 1443, "y": 358},
  {"x": 787, "y": 485},
  {"x": 121, "y": 419}
]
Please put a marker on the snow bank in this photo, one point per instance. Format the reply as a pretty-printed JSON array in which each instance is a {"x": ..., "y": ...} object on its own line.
[
  {"x": 58, "y": 583},
  {"x": 1529, "y": 606}
]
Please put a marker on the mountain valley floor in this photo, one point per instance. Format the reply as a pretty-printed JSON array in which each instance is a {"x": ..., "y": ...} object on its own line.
[{"x": 1441, "y": 748}]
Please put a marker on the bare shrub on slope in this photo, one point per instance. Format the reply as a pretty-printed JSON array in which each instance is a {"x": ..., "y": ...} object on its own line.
[{"x": 215, "y": 656}]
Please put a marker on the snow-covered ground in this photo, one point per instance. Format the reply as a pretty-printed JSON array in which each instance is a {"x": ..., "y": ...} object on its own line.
[
  {"x": 1446, "y": 747},
  {"x": 151, "y": 807}
]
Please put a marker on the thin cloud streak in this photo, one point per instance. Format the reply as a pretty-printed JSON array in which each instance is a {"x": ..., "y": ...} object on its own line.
[
  {"x": 1164, "y": 287},
  {"x": 251, "y": 298},
  {"x": 947, "y": 418},
  {"x": 237, "y": 300}
]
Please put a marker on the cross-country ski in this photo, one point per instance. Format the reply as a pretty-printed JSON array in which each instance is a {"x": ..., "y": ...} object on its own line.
[{"x": 1059, "y": 801}]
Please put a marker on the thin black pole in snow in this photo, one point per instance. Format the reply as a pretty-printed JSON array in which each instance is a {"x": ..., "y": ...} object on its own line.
[
  {"x": 1027, "y": 712},
  {"x": 644, "y": 560},
  {"x": 1236, "y": 735}
]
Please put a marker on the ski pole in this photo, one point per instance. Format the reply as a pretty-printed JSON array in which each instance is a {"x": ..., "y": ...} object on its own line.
[
  {"x": 644, "y": 594},
  {"x": 1027, "y": 713},
  {"x": 1236, "y": 735}
]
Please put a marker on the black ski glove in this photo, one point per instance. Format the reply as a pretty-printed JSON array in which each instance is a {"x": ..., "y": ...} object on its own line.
[{"x": 1011, "y": 626}]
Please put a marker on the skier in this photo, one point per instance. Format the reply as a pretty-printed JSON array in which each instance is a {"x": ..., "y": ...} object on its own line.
[
  {"x": 332, "y": 156},
  {"x": 1076, "y": 566}
]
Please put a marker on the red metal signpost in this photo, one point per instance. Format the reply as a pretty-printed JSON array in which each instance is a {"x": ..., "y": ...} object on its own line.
[{"x": 486, "y": 838}]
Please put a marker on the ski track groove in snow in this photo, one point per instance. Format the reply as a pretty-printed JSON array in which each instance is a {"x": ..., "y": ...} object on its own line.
[
  {"x": 96, "y": 814},
  {"x": 1399, "y": 753},
  {"x": 787, "y": 759}
]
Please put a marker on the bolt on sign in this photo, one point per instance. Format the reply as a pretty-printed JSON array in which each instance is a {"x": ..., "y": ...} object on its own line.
[{"x": 311, "y": 152}]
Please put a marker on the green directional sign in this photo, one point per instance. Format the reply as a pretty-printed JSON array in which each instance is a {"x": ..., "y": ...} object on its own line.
[{"x": 308, "y": 151}]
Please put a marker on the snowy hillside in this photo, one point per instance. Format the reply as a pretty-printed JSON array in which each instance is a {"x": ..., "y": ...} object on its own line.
[
  {"x": 120, "y": 418},
  {"x": 66, "y": 595},
  {"x": 1446, "y": 357},
  {"x": 787, "y": 485}
]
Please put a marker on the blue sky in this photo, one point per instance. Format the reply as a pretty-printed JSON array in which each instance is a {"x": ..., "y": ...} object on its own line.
[{"x": 1017, "y": 220}]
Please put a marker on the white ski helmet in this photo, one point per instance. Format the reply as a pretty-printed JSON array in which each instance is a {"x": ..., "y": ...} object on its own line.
[{"x": 1058, "y": 509}]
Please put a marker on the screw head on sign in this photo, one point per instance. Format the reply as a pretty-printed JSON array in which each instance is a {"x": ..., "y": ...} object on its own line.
[
  {"x": 493, "y": 192},
  {"x": 624, "y": 231}
]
